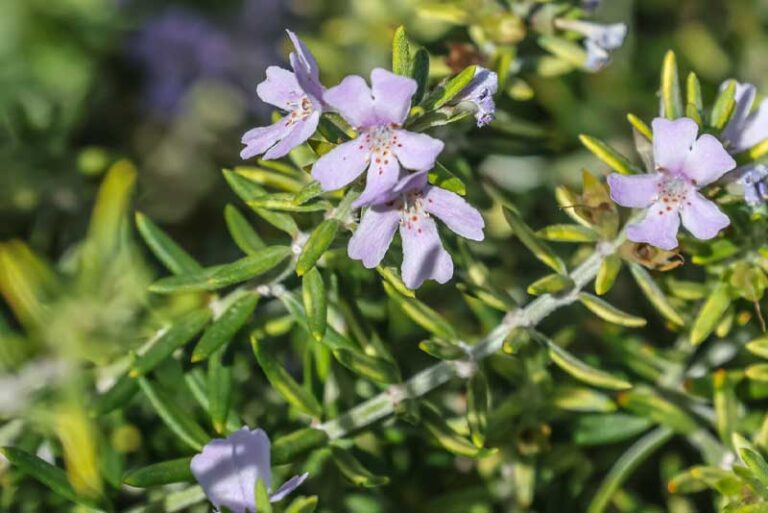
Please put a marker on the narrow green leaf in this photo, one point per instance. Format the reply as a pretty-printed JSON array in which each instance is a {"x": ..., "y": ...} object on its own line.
[
  {"x": 263, "y": 505},
  {"x": 551, "y": 284},
  {"x": 478, "y": 402},
  {"x": 298, "y": 396},
  {"x": 289, "y": 447},
  {"x": 248, "y": 190},
  {"x": 442, "y": 177},
  {"x": 610, "y": 313},
  {"x": 315, "y": 303},
  {"x": 224, "y": 275},
  {"x": 753, "y": 154},
  {"x": 607, "y": 273},
  {"x": 420, "y": 73},
  {"x": 710, "y": 313},
  {"x": 570, "y": 52},
  {"x": 726, "y": 406},
  {"x": 724, "y": 105},
  {"x": 333, "y": 339},
  {"x": 285, "y": 202},
  {"x": 118, "y": 395},
  {"x": 47, "y": 474},
  {"x": 223, "y": 329},
  {"x": 655, "y": 295},
  {"x": 319, "y": 241},
  {"x": 375, "y": 369},
  {"x": 671, "y": 99},
  {"x": 540, "y": 250},
  {"x": 759, "y": 346},
  {"x": 401, "y": 53},
  {"x": 164, "y": 248},
  {"x": 177, "y": 420},
  {"x": 219, "y": 390},
  {"x": 581, "y": 371},
  {"x": 641, "y": 126},
  {"x": 181, "y": 332},
  {"x": 241, "y": 231},
  {"x": 608, "y": 428},
  {"x": 302, "y": 505},
  {"x": 757, "y": 372},
  {"x": 448, "y": 90},
  {"x": 756, "y": 463},
  {"x": 310, "y": 191},
  {"x": 442, "y": 349},
  {"x": 568, "y": 233},
  {"x": 166, "y": 472},
  {"x": 449, "y": 439},
  {"x": 422, "y": 315},
  {"x": 608, "y": 155},
  {"x": 582, "y": 399},
  {"x": 695, "y": 105},
  {"x": 392, "y": 276},
  {"x": 647, "y": 403},
  {"x": 353, "y": 470}
]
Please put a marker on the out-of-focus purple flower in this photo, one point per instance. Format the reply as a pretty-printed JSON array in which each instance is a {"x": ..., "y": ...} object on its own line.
[
  {"x": 228, "y": 469},
  {"x": 300, "y": 94},
  {"x": 754, "y": 180},
  {"x": 479, "y": 93},
  {"x": 382, "y": 146},
  {"x": 409, "y": 206},
  {"x": 683, "y": 165},
  {"x": 590, "y": 5},
  {"x": 599, "y": 41}
]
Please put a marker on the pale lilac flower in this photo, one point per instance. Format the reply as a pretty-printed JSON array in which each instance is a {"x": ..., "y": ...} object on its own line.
[
  {"x": 300, "y": 94},
  {"x": 599, "y": 41},
  {"x": 382, "y": 146},
  {"x": 479, "y": 94},
  {"x": 753, "y": 180},
  {"x": 409, "y": 206},
  {"x": 683, "y": 165},
  {"x": 228, "y": 469}
]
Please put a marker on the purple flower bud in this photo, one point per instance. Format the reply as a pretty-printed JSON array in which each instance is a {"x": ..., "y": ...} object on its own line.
[{"x": 479, "y": 94}]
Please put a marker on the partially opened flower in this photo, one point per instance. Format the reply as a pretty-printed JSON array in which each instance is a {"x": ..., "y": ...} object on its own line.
[
  {"x": 382, "y": 146},
  {"x": 599, "y": 41},
  {"x": 479, "y": 93},
  {"x": 683, "y": 165},
  {"x": 299, "y": 93},
  {"x": 229, "y": 468},
  {"x": 409, "y": 206}
]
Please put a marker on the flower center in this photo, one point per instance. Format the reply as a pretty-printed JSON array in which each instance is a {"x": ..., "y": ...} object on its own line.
[
  {"x": 301, "y": 109},
  {"x": 381, "y": 140},
  {"x": 411, "y": 211},
  {"x": 674, "y": 191}
]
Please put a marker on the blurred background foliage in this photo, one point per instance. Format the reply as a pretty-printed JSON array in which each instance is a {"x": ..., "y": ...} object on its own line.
[{"x": 113, "y": 105}]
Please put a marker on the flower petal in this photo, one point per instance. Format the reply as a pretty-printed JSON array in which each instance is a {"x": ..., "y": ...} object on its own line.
[
  {"x": 702, "y": 217},
  {"x": 227, "y": 469},
  {"x": 707, "y": 161},
  {"x": 299, "y": 133},
  {"x": 597, "y": 56},
  {"x": 416, "y": 151},
  {"x": 304, "y": 56},
  {"x": 342, "y": 164},
  {"x": 381, "y": 178},
  {"x": 461, "y": 217},
  {"x": 391, "y": 96},
  {"x": 480, "y": 93},
  {"x": 373, "y": 235},
  {"x": 634, "y": 191},
  {"x": 258, "y": 140},
  {"x": 280, "y": 88},
  {"x": 745, "y": 97},
  {"x": 756, "y": 129},
  {"x": 658, "y": 228},
  {"x": 409, "y": 182},
  {"x": 672, "y": 141},
  {"x": 753, "y": 181},
  {"x": 423, "y": 254},
  {"x": 352, "y": 98},
  {"x": 288, "y": 487}
]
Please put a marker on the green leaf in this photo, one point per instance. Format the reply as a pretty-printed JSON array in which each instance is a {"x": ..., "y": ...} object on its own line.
[
  {"x": 710, "y": 313},
  {"x": 422, "y": 315},
  {"x": 608, "y": 155},
  {"x": 219, "y": 390},
  {"x": 753, "y": 154},
  {"x": 724, "y": 105},
  {"x": 248, "y": 190},
  {"x": 582, "y": 399},
  {"x": 695, "y": 105},
  {"x": 298, "y": 396},
  {"x": 285, "y": 202},
  {"x": 181, "y": 332},
  {"x": 353, "y": 470},
  {"x": 47, "y": 474},
  {"x": 581, "y": 371},
  {"x": 315, "y": 303},
  {"x": 641, "y": 126},
  {"x": 392, "y": 276},
  {"x": 568, "y": 51},
  {"x": 224, "y": 328},
  {"x": 726, "y": 406},
  {"x": 241, "y": 231},
  {"x": 655, "y": 295},
  {"x": 310, "y": 191},
  {"x": 647, "y": 403},
  {"x": 166, "y": 472},
  {"x": 478, "y": 402},
  {"x": 449, "y": 439},
  {"x": 568, "y": 233},
  {"x": 420, "y": 73},
  {"x": 442, "y": 177},
  {"x": 320, "y": 240},
  {"x": 442, "y": 350},
  {"x": 540, "y": 250},
  {"x": 262, "y": 497},
  {"x": 607, "y": 273},
  {"x": 448, "y": 90},
  {"x": 302, "y": 505},
  {"x": 371, "y": 367},
  {"x": 757, "y": 372},
  {"x": 177, "y": 420},
  {"x": 759, "y": 346},
  {"x": 551, "y": 284},
  {"x": 610, "y": 313},
  {"x": 756, "y": 464},
  {"x": 608, "y": 428},
  {"x": 164, "y": 248},
  {"x": 671, "y": 99},
  {"x": 289, "y": 447},
  {"x": 401, "y": 53},
  {"x": 224, "y": 275},
  {"x": 118, "y": 395}
]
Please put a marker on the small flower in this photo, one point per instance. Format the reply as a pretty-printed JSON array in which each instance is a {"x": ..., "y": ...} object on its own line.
[
  {"x": 600, "y": 39},
  {"x": 228, "y": 469},
  {"x": 684, "y": 165},
  {"x": 754, "y": 182},
  {"x": 479, "y": 94},
  {"x": 300, "y": 94},
  {"x": 408, "y": 206},
  {"x": 382, "y": 146}
]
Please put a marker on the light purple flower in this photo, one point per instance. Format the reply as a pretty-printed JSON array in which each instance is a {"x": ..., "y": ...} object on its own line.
[
  {"x": 300, "y": 94},
  {"x": 754, "y": 182},
  {"x": 479, "y": 93},
  {"x": 683, "y": 165},
  {"x": 382, "y": 146},
  {"x": 599, "y": 41},
  {"x": 228, "y": 469},
  {"x": 409, "y": 206}
]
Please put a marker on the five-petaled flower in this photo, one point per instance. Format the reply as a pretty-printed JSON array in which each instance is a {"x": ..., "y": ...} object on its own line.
[
  {"x": 683, "y": 165},
  {"x": 300, "y": 94},
  {"x": 744, "y": 130},
  {"x": 229, "y": 468},
  {"x": 479, "y": 93},
  {"x": 408, "y": 206},
  {"x": 382, "y": 146}
]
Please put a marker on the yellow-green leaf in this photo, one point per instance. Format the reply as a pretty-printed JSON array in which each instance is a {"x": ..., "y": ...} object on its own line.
[
  {"x": 540, "y": 250},
  {"x": 610, "y": 313},
  {"x": 671, "y": 99}
]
